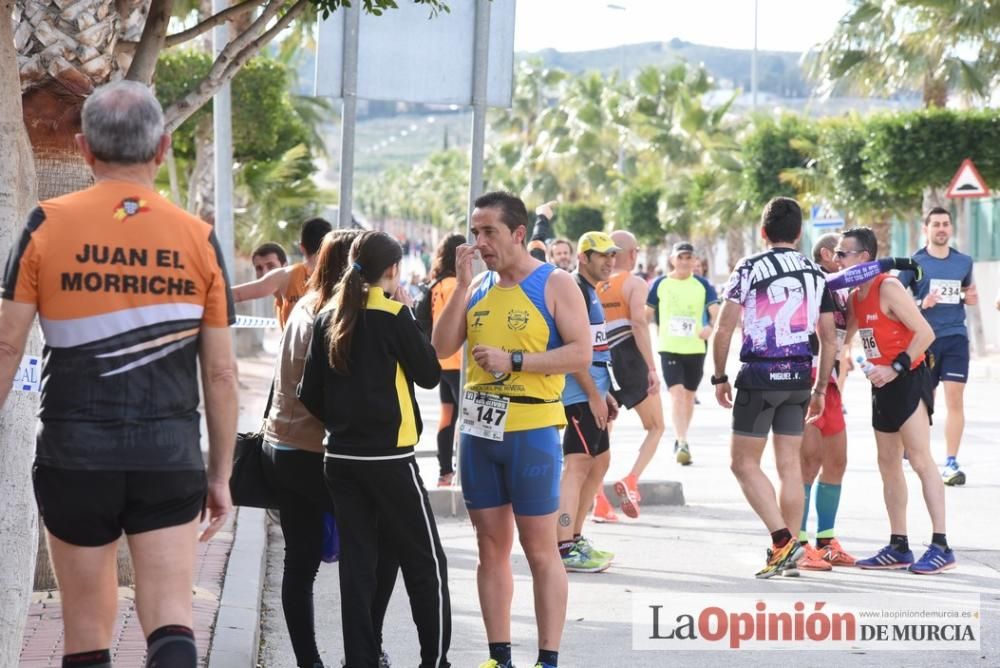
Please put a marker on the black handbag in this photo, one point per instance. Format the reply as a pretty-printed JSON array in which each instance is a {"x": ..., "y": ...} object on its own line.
[{"x": 250, "y": 484}]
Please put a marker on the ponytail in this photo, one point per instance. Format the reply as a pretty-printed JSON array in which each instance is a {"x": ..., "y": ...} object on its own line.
[
  {"x": 350, "y": 298},
  {"x": 371, "y": 254}
]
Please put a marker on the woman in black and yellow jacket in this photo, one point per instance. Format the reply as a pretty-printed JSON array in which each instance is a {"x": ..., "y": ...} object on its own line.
[{"x": 365, "y": 355}]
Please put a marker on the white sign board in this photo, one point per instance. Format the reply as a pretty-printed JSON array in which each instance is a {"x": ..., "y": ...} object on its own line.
[{"x": 406, "y": 56}]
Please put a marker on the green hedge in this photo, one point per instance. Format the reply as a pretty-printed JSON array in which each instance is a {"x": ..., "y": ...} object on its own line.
[{"x": 573, "y": 220}]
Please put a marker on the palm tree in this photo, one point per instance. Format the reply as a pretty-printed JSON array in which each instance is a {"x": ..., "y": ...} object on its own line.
[{"x": 890, "y": 46}]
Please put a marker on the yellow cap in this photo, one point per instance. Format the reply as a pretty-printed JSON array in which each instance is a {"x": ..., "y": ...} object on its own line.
[{"x": 599, "y": 242}]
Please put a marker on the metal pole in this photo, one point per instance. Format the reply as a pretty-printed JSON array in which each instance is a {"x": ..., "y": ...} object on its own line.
[
  {"x": 349, "y": 113},
  {"x": 753, "y": 61},
  {"x": 621, "y": 81},
  {"x": 222, "y": 126},
  {"x": 480, "y": 73},
  {"x": 480, "y": 67}
]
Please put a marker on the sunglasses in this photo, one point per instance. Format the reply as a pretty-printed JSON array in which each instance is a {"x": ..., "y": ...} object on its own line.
[{"x": 842, "y": 253}]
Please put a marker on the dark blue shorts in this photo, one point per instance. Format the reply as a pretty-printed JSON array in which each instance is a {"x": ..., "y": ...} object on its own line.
[
  {"x": 951, "y": 359},
  {"x": 523, "y": 470}
]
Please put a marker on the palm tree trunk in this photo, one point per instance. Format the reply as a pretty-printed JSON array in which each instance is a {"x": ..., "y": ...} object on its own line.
[
  {"x": 736, "y": 248},
  {"x": 18, "y": 516},
  {"x": 55, "y": 84},
  {"x": 882, "y": 227}
]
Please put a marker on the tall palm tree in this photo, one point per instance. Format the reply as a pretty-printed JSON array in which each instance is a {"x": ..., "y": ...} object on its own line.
[{"x": 889, "y": 46}]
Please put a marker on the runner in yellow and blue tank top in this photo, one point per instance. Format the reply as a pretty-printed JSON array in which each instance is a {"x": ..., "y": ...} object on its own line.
[{"x": 527, "y": 328}]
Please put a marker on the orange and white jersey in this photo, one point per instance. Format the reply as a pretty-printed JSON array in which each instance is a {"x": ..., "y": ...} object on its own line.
[{"x": 123, "y": 281}]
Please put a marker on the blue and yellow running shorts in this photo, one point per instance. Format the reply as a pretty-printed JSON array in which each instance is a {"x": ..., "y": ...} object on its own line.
[{"x": 524, "y": 470}]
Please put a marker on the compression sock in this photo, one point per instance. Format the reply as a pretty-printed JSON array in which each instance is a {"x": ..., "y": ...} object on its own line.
[
  {"x": 565, "y": 547},
  {"x": 171, "y": 647},
  {"x": 899, "y": 542},
  {"x": 445, "y": 440},
  {"x": 827, "y": 503},
  {"x": 500, "y": 652},
  {"x": 95, "y": 658},
  {"x": 547, "y": 657},
  {"x": 781, "y": 537},
  {"x": 939, "y": 540},
  {"x": 803, "y": 534}
]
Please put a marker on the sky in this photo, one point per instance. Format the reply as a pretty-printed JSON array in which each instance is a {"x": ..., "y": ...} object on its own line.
[{"x": 581, "y": 25}]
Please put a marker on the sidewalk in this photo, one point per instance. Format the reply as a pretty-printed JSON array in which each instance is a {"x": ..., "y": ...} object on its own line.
[{"x": 43, "y": 637}]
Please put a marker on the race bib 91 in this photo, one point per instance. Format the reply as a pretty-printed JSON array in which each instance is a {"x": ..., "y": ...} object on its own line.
[
  {"x": 484, "y": 415},
  {"x": 681, "y": 326}
]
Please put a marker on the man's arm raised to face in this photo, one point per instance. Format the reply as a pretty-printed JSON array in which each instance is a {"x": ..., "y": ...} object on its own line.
[
  {"x": 274, "y": 281},
  {"x": 449, "y": 332}
]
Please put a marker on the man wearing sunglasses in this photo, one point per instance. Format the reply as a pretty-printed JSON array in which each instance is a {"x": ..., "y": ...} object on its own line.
[{"x": 894, "y": 336}]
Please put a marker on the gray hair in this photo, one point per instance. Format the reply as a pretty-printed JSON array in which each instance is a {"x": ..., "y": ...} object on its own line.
[
  {"x": 123, "y": 123},
  {"x": 827, "y": 241}
]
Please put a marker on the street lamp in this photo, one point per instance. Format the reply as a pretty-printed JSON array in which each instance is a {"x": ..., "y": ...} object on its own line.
[
  {"x": 753, "y": 61},
  {"x": 621, "y": 79}
]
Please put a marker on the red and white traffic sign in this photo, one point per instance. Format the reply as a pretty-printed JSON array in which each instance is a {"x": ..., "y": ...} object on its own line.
[{"x": 967, "y": 182}]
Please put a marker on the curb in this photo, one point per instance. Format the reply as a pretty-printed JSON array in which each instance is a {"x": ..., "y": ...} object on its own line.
[
  {"x": 449, "y": 502},
  {"x": 236, "y": 638}
]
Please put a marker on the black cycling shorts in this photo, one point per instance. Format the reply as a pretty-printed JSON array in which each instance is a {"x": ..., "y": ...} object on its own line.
[
  {"x": 683, "y": 369},
  {"x": 895, "y": 402},
  {"x": 631, "y": 374},
  {"x": 582, "y": 435},
  {"x": 92, "y": 508},
  {"x": 757, "y": 412}
]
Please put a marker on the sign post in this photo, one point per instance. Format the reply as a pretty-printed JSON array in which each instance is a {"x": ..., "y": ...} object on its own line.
[{"x": 966, "y": 185}]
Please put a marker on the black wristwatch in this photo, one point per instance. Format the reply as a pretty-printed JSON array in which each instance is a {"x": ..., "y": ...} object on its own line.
[
  {"x": 720, "y": 380},
  {"x": 516, "y": 360},
  {"x": 902, "y": 363}
]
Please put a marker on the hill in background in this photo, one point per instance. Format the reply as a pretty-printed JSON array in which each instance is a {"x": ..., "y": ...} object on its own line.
[{"x": 391, "y": 134}]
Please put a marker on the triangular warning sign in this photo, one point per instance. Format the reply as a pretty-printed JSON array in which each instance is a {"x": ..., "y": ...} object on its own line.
[{"x": 967, "y": 182}]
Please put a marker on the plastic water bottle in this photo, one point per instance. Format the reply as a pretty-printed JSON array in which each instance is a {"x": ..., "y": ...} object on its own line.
[{"x": 865, "y": 365}]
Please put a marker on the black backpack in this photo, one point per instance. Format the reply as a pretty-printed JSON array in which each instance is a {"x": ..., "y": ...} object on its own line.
[{"x": 422, "y": 308}]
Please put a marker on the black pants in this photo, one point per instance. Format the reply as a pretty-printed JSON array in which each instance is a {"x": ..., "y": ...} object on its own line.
[
  {"x": 372, "y": 496},
  {"x": 302, "y": 501},
  {"x": 449, "y": 393}
]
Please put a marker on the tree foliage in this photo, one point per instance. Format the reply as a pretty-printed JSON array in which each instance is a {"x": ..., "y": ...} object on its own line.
[
  {"x": 638, "y": 212},
  {"x": 265, "y": 121},
  {"x": 574, "y": 220},
  {"x": 886, "y": 47},
  {"x": 771, "y": 148}
]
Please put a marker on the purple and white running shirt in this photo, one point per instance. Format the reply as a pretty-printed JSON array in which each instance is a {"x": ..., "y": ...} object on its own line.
[{"x": 782, "y": 294}]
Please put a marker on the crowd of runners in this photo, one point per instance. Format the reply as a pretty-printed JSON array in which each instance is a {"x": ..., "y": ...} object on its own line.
[{"x": 555, "y": 338}]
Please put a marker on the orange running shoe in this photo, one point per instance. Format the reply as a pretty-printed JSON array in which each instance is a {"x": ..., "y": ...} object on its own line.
[
  {"x": 603, "y": 512},
  {"x": 628, "y": 496},
  {"x": 834, "y": 554},
  {"x": 812, "y": 560}
]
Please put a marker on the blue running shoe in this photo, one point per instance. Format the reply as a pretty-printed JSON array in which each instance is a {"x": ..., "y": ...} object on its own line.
[
  {"x": 886, "y": 559},
  {"x": 935, "y": 560}
]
